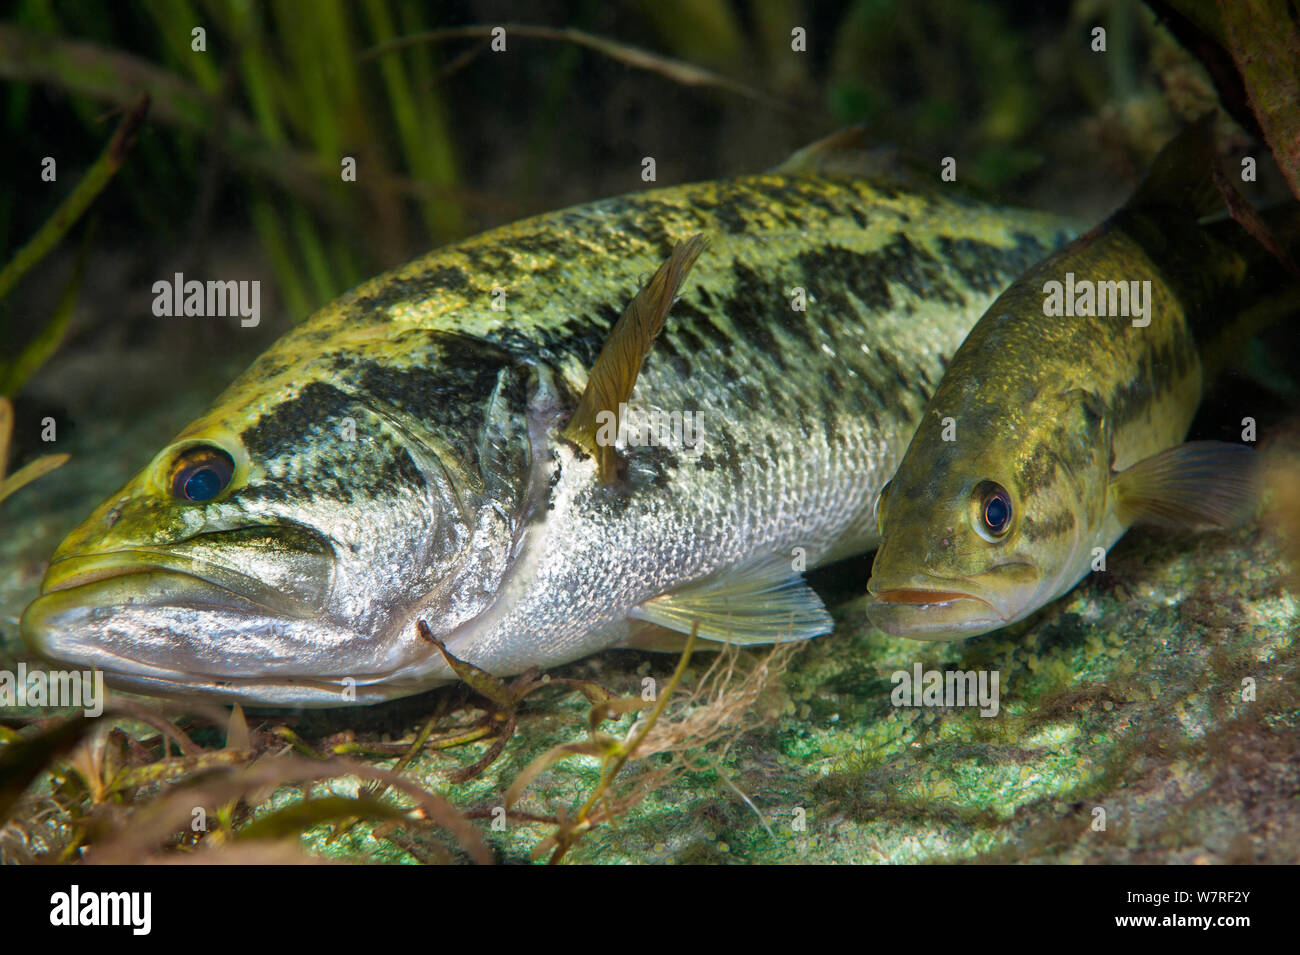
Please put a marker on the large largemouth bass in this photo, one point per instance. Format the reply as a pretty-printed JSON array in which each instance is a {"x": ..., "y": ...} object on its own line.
[
  {"x": 1061, "y": 419},
  {"x": 403, "y": 454}
]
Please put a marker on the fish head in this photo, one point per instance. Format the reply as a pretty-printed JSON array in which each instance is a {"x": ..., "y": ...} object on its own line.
[
  {"x": 280, "y": 549},
  {"x": 985, "y": 522}
]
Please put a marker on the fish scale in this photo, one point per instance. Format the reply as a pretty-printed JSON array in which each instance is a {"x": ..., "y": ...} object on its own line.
[{"x": 459, "y": 503}]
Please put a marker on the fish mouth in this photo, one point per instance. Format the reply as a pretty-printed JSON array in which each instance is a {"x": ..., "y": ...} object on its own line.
[
  {"x": 927, "y": 606},
  {"x": 163, "y": 632},
  {"x": 181, "y": 625},
  {"x": 932, "y": 614},
  {"x": 224, "y": 584}
]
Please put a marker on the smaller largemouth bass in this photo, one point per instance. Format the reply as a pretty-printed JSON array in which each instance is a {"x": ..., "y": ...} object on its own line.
[{"x": 1060, "y": 421}]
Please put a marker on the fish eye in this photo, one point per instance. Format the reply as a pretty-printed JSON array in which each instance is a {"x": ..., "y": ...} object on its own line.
[
  {"x": 200, "y": 473},
  {"x": 993, "y": 510},
  {"x": 879, "y": 508}
]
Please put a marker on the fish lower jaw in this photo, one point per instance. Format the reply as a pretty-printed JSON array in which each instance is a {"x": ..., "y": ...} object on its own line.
[
  {"x": 932, "y": 615},
  {"x": 124, "y": 570},
  {"x": 145, "y": 679},
  {"x": 274, "y": 693},
  {"x": 171, "y": 635}
]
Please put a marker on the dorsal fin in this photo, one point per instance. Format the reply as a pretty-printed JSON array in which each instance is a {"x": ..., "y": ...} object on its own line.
[
  {"x": 849, "y": 153},
  {"x": 613, "y": 376},
  {"x": 845, "y": 152}
]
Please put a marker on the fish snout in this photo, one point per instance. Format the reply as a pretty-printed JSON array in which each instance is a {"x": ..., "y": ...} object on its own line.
[
  {"x": 934, "y": 608},
  {"x": 931, "y": 614},
  {"x": 232, "y": 614}
]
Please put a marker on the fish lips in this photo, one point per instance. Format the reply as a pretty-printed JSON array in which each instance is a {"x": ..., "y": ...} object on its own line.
[
  {"x": 166, "y": 626},
  {"x": 931, "y": 607},
  {"x": 936, "y": 608},
  {"x": 932, "y": 614}
]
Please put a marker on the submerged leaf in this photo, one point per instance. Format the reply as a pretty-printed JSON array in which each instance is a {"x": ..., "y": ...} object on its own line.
[
  {"x": 237, "y": 731},
  {"x": 6, "y": 434},
  {"x": 37, "y": 352},
  {"x": 295, "y": 819},
  {"x": 482, "y": 682},
  {"x": 30, "y": 472},
  {"x": 71, "y": 209},
  {"x": 21, "y": 762}
]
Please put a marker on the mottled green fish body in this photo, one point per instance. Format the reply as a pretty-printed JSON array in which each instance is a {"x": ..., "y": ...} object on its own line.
[{"x": 1061, "y": 419}]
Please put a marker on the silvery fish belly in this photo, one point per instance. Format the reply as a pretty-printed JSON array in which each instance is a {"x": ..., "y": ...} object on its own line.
[{"x": 399, "y": 456}]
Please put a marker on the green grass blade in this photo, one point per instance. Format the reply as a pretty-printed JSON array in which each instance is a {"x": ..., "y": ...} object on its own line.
[{"x": 71, "y": 209}]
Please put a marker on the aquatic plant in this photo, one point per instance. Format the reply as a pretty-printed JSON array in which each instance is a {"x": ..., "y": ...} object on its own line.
[
  {"x": 113, "y": 797},
  {"x": 694, "y": 730},
  {"x": 15, "y": 371},
  {"x": 110, "y": 791},
  {"x": 290, "y": 128},
  {"x": 28, "y": 472}
]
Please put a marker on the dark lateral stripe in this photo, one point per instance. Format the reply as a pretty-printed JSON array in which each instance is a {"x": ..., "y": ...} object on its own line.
[
  {"x": 986, "y": 267},
  {"x": 1161, "y": 367},
  {"x": 1053, "y": 525},
  {"x": 868, "y": 274}
]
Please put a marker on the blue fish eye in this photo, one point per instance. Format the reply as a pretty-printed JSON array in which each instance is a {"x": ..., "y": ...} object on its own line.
[
  {"x": 995, "y": 510},
  {"x": 996, "y": 513},
  {"x": 200, "y": 473},
  {"x": 203, "y": 485}
]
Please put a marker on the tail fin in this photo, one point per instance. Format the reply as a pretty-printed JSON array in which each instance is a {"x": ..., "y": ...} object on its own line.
[
  {"x": 1270, "y": 290},
  {"x": 1237, "y": 266}
]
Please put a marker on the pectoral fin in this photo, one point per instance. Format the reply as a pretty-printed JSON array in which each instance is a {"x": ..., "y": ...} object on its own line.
[
  {"x": 759, "y": 602},
  {"x": 613, "y": 376},
  {"x": 1198, "y": 485},
  {"x": 656, "y": 639}
]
